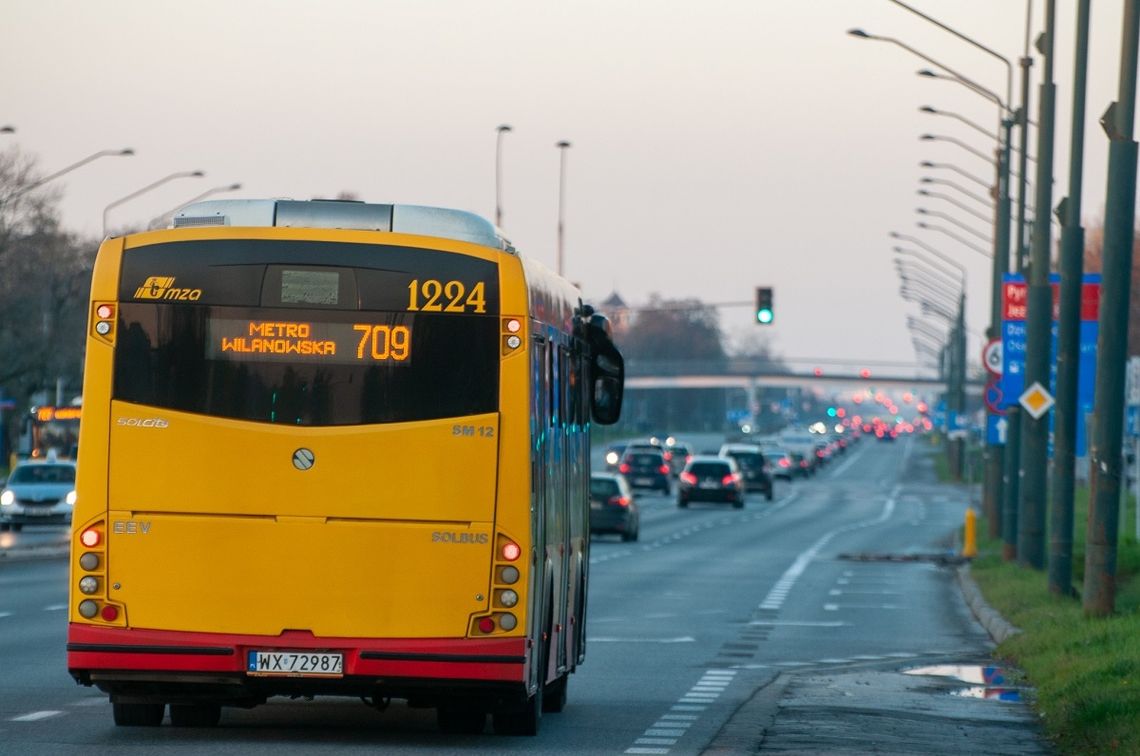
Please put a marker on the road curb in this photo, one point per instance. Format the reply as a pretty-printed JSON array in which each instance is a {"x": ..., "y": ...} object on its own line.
[
  {"x": 995, "y": 624},
  {"x": 745, "y": 730}
]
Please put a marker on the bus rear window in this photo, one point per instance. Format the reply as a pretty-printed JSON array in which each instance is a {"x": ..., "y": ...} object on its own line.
[{"x": 308, "y": 367}]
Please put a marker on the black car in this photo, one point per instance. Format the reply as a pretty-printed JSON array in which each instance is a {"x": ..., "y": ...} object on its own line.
[
  {"x": 612, "y": 507},
  {"x": 716, "y": 479},
  {"x": 645, "y": 468},
  {"x": 753, "y": 466}
]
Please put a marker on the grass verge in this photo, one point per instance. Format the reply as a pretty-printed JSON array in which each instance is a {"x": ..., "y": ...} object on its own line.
[{"x": 1086, "y": 671}]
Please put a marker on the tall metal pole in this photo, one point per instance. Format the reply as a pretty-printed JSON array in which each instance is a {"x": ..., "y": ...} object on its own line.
[
  {"x": 562, "y": 145},
  {"x": 994, "y": 453},
  {"x": 1023, "y": 146},
  {"x": 500, "y": 130},
  {"x": 1112, "y": 342},
  {"x": 1068, "y": 333},
  {"x": 1039, "y": 320}
]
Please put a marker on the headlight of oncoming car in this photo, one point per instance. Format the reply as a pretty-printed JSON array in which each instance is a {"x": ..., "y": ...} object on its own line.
[
  {"x": 7, "y": 499},
  {"x": 70, "y": 498}
]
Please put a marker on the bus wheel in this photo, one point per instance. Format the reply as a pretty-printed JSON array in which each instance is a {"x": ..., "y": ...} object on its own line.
[
  {"x": 138, "y": 714},
  {"x": 460, "y": 721},
  {"x": 554, "y": 697},
  {"x": 195, "y": 715},
  {"x": 524, "y": 722}
]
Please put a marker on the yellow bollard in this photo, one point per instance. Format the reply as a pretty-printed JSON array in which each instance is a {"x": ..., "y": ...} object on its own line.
[{"x": 970, "y": 539}]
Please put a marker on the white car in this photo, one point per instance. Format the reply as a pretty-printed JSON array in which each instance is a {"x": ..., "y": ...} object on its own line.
[{"x": 38, "y": 493}]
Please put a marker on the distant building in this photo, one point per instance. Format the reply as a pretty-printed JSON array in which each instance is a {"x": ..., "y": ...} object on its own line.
[{"x": 615, "y": 308}]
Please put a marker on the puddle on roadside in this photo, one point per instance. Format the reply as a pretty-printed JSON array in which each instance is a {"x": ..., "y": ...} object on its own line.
[
  {"x": 989, "y": 682},
  {"x": 996, "y": 694}
]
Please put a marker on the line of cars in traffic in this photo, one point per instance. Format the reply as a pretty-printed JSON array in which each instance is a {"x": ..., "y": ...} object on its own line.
[{"x": 726, "y": 475}]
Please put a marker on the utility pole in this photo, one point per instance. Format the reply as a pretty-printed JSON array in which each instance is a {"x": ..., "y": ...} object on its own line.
[
  {"x": 1039, "y": 319},
  {"x": 1069, "y": 333},
  {"x": 1099, "y": 594}
]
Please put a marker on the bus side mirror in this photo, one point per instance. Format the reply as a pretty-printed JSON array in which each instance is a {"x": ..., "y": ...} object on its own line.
[{"x": 607, "y": 371}]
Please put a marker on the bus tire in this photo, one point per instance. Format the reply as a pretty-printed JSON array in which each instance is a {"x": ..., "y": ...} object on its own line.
[
  {"x": 138, "y": 714},
  {"x": 520, "y": 722},
  {"x": 554, "y": 697},
  {"x": 195, "y": 715},
  {"x": 460, "y": 721}
]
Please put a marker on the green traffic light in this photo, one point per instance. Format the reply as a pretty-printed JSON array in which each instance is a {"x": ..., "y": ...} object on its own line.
[{"x": 764, "y": 316}]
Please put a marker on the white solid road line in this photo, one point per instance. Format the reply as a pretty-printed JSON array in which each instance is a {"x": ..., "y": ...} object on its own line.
[{"x": 35, "y": 716}]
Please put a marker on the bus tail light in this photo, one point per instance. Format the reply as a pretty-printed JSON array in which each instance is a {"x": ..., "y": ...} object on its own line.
[
  {"x": 109, "y": 613},
  {"x": 103, "y": 322},
  {"x": 486, "y": 625},
  {"x": 508, "y": 621},
  {"x": 91, "y": 538},
  {"x": 511, "y": 551},
  {"x": 88, "y": 609}
]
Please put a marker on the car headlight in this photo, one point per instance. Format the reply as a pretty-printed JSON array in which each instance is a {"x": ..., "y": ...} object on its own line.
[
  {"x": 7, "y": 499},
  {"x": 70, "y": 498}
]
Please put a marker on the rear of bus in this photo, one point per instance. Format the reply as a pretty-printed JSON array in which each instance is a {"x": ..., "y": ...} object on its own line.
[{"x": 305, "y": 464}]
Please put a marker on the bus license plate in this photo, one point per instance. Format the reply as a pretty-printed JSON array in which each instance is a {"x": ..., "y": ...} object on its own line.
[{"x": 295, "y": 664}]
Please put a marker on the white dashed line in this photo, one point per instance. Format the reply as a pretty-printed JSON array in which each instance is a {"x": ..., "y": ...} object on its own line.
[
  {"x": 35, "y": 716},
  {"x": 5, "y": 614},
  {"x": 670, "y": 727},
  {"x": 779, "y": 592},
  {"x": 55, "y": 608}
]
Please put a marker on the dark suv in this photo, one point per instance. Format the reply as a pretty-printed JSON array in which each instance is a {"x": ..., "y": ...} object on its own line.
[
  {"x": 645, "y": 468},
  {"x": 710, "y": 479},
  {"x": 757, "y": 476}
]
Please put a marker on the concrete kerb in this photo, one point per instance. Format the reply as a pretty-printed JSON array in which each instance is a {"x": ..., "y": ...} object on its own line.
[{"x": 995, "y": 624}]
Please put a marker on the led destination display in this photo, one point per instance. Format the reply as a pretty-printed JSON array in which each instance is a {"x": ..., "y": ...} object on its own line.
[{"x": 246, "y": 340}]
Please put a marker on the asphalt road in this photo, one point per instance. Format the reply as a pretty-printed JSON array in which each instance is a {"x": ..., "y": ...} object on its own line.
[{"x": 778, "y": 628}]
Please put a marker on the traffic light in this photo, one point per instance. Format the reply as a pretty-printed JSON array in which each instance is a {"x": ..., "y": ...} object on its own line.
[{"x": 764, "y": 312}]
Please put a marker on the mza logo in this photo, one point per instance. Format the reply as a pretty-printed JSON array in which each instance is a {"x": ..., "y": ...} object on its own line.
[{"x": 162, "y": 287}]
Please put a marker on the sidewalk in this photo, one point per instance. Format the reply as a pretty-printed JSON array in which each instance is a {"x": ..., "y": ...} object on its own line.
[{"x": 876, "y": 707}]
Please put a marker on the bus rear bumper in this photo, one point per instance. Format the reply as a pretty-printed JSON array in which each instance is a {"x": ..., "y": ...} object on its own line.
[{"x": 152, "y": 665}]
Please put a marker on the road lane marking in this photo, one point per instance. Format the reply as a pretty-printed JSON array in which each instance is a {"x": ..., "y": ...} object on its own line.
[
  {"x": 5, "y": 614},
  {"x": 682, "y": 639},
  {"x": 779, "y": 592},
  {"x": 55, "y": 607},
  {"x": 654, "y": 742},
  {"x": 794, "y": 623},
  {"x": 35, "y": 716}
]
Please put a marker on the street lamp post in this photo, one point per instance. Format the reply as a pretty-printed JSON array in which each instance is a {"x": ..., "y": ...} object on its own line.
[
  {"x": 1039, "y": 317},
  {"x": 145, "y": 189},
  {"x": 68, "y": 169},
  {"x": 1099, "y": 595},
  {"x": 964, "y": 242},
  {"x": 956, "y": 187},
  {"x": 1066, "y": 417},
  {"x": 562, "y": 147},
  {"x": 499, "y": 131}
]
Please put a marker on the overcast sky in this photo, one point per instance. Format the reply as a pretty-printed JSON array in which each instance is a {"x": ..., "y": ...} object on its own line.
[{"x": 717, "y": 146}]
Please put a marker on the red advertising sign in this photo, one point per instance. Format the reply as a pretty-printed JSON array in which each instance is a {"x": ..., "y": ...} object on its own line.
[
  {"x": 1015, "y": 296},
  {"x": 1014, "y": 300}
]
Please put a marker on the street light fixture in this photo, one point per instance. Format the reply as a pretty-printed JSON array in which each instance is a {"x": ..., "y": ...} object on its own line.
[
  {"x": 562, "y": 146},
  {"x": 952, "y": 219},
  {"x": 957, "y": 117},
  {"x": 954, "y": 202},
  {"x": 7, "y": 129},
  {"x": 500, "y": 130},
  {"x": 944, "y": 182},
  {"x": 940, "y": 138},
  {"x": 955, "y": 237},
  {"x": 147, "y": 188},
  {"x": 77, "y": 164},
  {"x": 951, "y": 274},
  {"x": 931, "y": 250}
]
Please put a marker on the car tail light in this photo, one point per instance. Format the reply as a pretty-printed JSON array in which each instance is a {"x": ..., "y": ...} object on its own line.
[
  {"x": 688, "y": 458},
  {"x": 623, "y": 468},
  {"x": 730, "y": 479},
  {"x": 689, "y": 478},
  {"x": 668, "y": 456},
  {"x": 619, "y": 501},
  {"x": 664, "y": 469},
  {"x": 784, "y": 462}
]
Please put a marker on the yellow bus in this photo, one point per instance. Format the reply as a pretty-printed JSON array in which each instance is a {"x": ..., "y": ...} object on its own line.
[{"x": 334, "y": 448}]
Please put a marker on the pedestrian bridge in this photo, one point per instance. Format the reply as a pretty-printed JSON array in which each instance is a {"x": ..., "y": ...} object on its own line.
[{"x": 748, "y": 373}]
